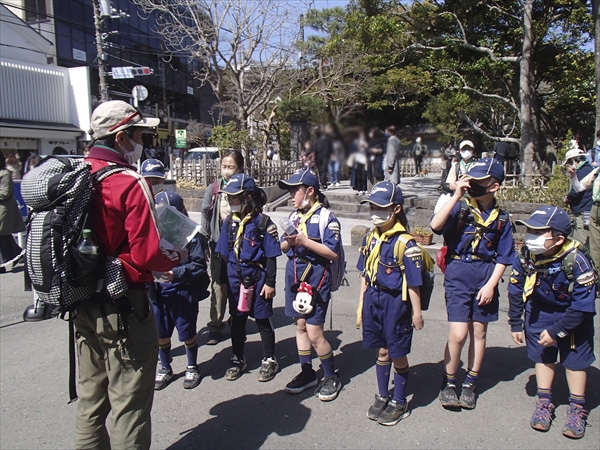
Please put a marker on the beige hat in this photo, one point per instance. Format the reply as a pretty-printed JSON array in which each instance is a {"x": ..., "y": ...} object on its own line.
[
  {"x": 466, "y": 144},
  {"x": 116, "y": 115},
  {"x": 572, "y": 154}
]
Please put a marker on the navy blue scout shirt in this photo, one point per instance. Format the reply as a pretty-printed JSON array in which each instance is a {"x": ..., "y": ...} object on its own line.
[
  {"x": 187, "y": 275},
  {"x": 331, "y": 238},
  {"x": 254, "y": 250},
  {"x": 551, "y": 292},
  {"x": 389, "y": 275},
  {"x": 457, "y": 242}
]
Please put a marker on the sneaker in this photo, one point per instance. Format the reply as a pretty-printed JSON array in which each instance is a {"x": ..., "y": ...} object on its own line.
[
  {"x": 329, "y": 388},
  {"x": 163, "y": 376},
  {"x": 213, "y": 338},
  {"x": 448, "y": 396},
  {"x": 192, "y": 377},
  {"x": 575, "y": 426},
  {"x": 268, "y": 369},
  {"x": 302, "y": 381},
  {"x": 377, "y": 407},
  {"x": 337, "y": 184},
  {"x": 238, "y": 367},
  {"x": 393, "y": 413},
  {"x": 543, "y": 415},
  {"x": 468, "y": 397}
]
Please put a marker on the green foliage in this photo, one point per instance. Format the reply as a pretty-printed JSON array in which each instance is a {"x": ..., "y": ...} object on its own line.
[
  {"x": 229, "y": 136},
  {"x": 183, "y": 183},
  {"x": 302, "y": 107}
]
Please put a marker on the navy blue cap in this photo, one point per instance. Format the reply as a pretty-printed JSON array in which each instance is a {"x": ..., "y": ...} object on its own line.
[
  {"x": 301, "y": 177},
  {"x": 153, "y": 168},
  {"x": 239, "y": 183},
  {"x": 485, "y": 168},
  {"x": 384, "y": 194},
  {"x": 171, "y": 198},
  {"x": 548, "y": 217}
]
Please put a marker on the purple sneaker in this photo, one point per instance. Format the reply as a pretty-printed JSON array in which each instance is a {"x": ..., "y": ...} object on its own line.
[
  {"x": 575, "y": 425},
  {"x": 542, "y": 417}
]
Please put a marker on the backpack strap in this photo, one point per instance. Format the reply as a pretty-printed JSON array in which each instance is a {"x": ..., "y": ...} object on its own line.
[
  {"x": 399, "y": 249},
  {"x": 323, "y": 221},
  {"x": 215, "y": 193}
]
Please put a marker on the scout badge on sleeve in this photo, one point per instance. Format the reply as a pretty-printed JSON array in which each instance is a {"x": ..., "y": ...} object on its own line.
[{"x": 303, "y": 303}]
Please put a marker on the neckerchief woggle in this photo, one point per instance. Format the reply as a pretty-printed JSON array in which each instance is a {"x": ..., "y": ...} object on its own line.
[
  {"x": 373, "y": 259},
  {"x": 483, "y": 224}
]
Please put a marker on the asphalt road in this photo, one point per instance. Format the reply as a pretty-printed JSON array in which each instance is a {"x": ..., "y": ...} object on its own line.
[{"x": 249, "y": 414}]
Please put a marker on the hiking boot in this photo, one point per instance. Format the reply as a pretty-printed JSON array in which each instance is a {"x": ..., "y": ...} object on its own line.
[
  {"x": 192, "y": 377},
  {"x": 468, "y": 397},
  {"x": 381, "y": 401},
  {"x": 213, "y": 338},
  {"x": 302, "y": 381},
  {"x": 163, "y": 376},
  {"x": 575, "y": 425},
  {"x": 543, "y": 415},
  {"x": 268, "y": 369},
  {"x": 238, "y": 367},
  {"x": 329, "y": 388},
  {"x": 393, "y": 413},
  {"x": 448, "y": 396}
]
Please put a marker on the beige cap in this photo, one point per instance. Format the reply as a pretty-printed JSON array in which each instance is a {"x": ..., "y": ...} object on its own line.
[
  {"x": 116, "y": 115},
  {"x": 572, "y": 154},
  {"x": 466, "y": 143}
]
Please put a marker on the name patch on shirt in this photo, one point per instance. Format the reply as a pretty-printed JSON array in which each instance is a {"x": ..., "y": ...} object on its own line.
[{"x": 314, "y": 219}]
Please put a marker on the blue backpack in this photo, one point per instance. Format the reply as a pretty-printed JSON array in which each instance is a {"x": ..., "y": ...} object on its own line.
[{"x": 337, "y": 268}]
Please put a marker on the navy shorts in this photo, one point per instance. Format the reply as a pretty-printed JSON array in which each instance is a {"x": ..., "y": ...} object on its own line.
[
  {"x": 176, "y": 309},
  {"x": 576, "y": 350},
  {"x": 386, "y": 323},
  {"x": 462, "y": 283},
  {"x": 320, "y": 302}
]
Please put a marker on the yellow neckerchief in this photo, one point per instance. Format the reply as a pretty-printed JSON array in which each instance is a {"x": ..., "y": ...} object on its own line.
[
  {"x": 372, "y": 261},
  {"x": 530, "y": 280},
  {"x": 474, "y": 208},
  {"x": 304, "y": 217},
  {"x": 239, "y": 236}
]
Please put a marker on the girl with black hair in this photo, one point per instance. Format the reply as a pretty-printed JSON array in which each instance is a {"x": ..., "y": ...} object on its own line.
[{"x": 250, "y": 244}]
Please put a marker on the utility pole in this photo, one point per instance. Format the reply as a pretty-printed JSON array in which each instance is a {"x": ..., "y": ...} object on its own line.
[{"x": 103, "y": 86}]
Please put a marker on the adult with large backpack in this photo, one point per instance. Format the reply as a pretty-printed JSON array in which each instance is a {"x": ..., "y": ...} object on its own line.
[
  {"x": 117, "y": 339},
  {"x": 215, "y": 209}
]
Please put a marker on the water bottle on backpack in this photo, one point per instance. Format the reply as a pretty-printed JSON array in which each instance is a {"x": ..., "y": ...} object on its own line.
[{"x": 87, "y": 245}]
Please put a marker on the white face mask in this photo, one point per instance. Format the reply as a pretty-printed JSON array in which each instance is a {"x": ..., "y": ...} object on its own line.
[
  {"x": 157, "y": 188},
  {"x": 227, "y": 174},
  {"x": 235, "y": 208},
  {"x": 133, "y": 156},
  {"x": 304, "y": 202},
  {"x": 598, "y": 143},
  {"x": 381, "y": 218},
  {"x": 466, "y": 154},
  {"x": 536, "y": 244}
]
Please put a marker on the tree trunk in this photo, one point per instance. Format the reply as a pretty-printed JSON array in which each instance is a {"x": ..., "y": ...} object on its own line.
[
  {"x": 527, "y": 132},
  {"x": 596, "y": 14}
]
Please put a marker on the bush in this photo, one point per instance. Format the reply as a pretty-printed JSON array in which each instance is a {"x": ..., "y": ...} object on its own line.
[{"x": 182, "y": 183}]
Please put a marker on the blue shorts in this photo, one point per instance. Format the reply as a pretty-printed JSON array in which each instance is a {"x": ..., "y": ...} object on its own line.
[
  {"x": 386, "y": 322},
  {"x": 462, "y": 283},
  {"x": 176, "y": 309},
  {"x": 321, "y": 299},
  {"x": 576, "y": 350},
  {"x": 261, "y": 308}
]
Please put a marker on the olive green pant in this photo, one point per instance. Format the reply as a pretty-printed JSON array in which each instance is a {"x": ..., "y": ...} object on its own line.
[
  {"x": 580, "y": 231},
  {"x": 218, "y": 300},
  {"x": 116, "y": 376}
]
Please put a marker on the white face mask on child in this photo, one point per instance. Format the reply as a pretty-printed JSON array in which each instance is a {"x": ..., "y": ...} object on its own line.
[
  {"x": 381, "y": 218},
  {"x": 235, "y": 208},
  {"x": 536, "y": 244},
  {"x": 466, "y": 154},
  {"x": 304, "y": 203}
]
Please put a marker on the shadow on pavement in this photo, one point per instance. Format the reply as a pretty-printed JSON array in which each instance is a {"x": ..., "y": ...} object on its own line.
[{"x": 246, "y": 422}]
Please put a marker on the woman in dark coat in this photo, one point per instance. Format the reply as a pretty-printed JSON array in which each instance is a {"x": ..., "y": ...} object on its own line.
[
  {"x": 376, "y": 151},
  {"x": 10, "y": 220}
]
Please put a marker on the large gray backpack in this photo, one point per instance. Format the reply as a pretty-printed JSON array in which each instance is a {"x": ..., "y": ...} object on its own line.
[{"x": 59, "y": 192}]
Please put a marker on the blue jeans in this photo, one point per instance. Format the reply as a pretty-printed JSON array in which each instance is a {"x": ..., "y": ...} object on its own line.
[{"x": 334, "y": 171}]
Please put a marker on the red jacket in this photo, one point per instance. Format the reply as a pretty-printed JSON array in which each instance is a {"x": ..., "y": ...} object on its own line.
[{"x": 125, "y": 219}]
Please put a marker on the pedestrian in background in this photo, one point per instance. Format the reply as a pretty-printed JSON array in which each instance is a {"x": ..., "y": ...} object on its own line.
[
  {"x": 593, "y": 154},
  {"x": 10, "y": 220},
  {"x": 393, "y": 154},
  {"x": 580, "y": 202},
  {"x": 375, "y": 152},
  {"x": 419, "y": 151},
  {"x": 214, "y": 210},
  {"x": 322, "y": 146},
  {"x": 358, "y": 162}
]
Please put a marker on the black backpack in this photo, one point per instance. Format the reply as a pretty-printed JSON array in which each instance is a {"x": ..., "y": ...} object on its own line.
[{"x": 59, "y": 192}]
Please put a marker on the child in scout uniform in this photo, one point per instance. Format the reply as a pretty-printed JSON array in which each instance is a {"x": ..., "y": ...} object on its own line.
[
  {"x": 390, "y": 299},
  {"x": 175, "y": 302},
  {"x": 307, "y": 281},
  {"x": 250, "y": 244},
  {"x": 554, "y": 282},
  {"x": 480, "y": 246}
]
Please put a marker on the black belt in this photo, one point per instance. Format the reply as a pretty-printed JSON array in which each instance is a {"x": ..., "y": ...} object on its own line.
[{"x": 469, "y": 257}]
